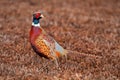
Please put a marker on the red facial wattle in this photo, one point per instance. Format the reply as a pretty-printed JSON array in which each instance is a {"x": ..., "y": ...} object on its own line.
[{"x": 37, "y": 15}]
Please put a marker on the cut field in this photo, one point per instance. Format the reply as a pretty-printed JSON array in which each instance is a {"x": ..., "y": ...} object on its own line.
[{"x": 86, "y": 26}]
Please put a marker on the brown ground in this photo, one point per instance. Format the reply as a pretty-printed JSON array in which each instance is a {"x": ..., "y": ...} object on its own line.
[{"x": 88, "y": 26}]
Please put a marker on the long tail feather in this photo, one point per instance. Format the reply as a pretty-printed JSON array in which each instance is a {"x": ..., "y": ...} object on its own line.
[{"x": 84, "y": 54}]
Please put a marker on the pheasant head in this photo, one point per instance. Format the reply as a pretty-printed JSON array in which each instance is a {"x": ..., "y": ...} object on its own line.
[{"x": 36, "y": 18}]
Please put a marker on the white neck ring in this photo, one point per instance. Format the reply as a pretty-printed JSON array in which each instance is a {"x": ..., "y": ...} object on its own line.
[{"x": 35, "y": 25}]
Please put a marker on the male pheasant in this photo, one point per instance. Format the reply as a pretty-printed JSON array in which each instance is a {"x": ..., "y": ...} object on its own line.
[{"x": 43, "y": 44}]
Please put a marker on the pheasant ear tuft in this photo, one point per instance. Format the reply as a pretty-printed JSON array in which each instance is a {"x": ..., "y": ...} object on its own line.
[{"x": 33, "y": 15}]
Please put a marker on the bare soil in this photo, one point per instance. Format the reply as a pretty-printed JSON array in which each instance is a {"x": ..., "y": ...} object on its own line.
[{"x": 86, "y": 26}]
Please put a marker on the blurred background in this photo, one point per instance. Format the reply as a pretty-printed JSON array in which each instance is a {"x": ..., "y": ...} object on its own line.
[{"x": 88, "y": 26}]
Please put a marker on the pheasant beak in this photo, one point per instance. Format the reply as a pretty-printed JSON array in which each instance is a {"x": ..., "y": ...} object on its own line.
[{"x": 41, "y": 16}]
